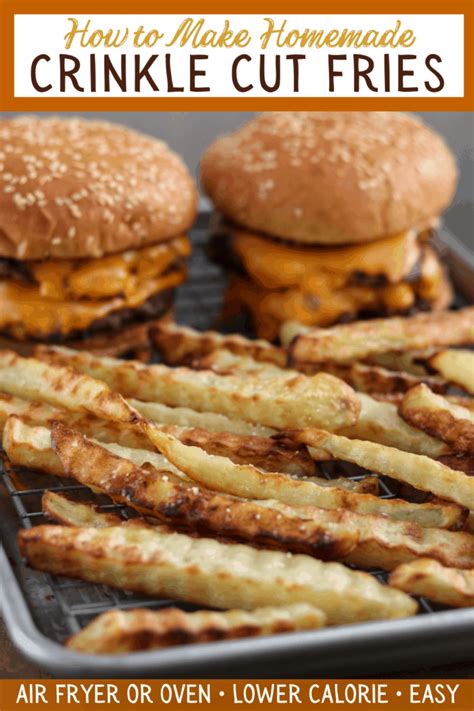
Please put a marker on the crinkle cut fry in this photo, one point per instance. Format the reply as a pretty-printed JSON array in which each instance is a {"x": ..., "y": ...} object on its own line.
[
  {"x": 62, "y": 386},
  {"x": 428, "y": 578},
  {"x": 220, "y": 474},
  {"x": 457, "y": 366},
  {"x": 281, "y": 403},
  {"x": 181, "y": 345},
  {"x": 441, "y": 418},
  {"x": 119, "y": 631},
  {"x": 30, "y": 447},
  {"x": 419, "y": 471},
  {"x": 361, "y": 340},
  {"x": 209, "y": 573},
  {"x": 167, "y": 497}
]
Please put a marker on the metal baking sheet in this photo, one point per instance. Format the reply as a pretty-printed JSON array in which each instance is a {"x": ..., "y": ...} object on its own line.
[{"x": 41, "y": 610}]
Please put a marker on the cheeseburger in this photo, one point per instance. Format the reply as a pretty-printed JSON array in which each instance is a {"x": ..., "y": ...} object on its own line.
[
  {"x": 93, "y": 221},
  {"x": 327, "y": 217}
]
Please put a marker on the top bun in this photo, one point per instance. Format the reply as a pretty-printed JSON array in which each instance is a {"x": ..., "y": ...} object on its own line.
[
  {"x": 75, "y": 188},
  {"x": 330, "y": 177}
]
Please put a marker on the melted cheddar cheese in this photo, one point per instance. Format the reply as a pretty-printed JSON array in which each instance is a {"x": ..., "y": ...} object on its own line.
[
  {"x": 109, "y": 276},
  {"x": 269, "y": 308},
  {"x": 69, "y": 295},
  {"x": 276, "y": 265}
]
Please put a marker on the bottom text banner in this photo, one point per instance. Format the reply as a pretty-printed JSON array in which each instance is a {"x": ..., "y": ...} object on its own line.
[{"x": 225, "y": 694}]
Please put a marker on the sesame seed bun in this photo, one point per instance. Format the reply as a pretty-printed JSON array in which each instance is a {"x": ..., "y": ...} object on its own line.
[
  {"x": 332, "y": 177},
  {"x": 71, "y": 188}
]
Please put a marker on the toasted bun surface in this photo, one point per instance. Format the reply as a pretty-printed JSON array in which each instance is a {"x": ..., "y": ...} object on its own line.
[
  {"x": 330, "y": 177},
  {"x": 73, "y": 188}
]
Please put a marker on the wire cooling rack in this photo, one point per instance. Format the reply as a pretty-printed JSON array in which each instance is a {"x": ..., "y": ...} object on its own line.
[{"x": 61, "y": 606}]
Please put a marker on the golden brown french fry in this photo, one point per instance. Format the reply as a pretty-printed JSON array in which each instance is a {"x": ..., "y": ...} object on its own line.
[
  {"x": 385, "y": 543},
  {"x": 376, "y": 379},
  {"x": 415, "y": 469},
  {"x": 257, "y": 449},
  {"x": 396, "y": 399},
  {"x": 380, "y": 422},
  {"x": 377, "y": 421},
  {"x": 283, "y": 402},
  {"x": 162, "y": 494},
  {"x": 412, "y": 362},
  {"x": 428, "y": 578},
  {"x": 221, "y": 474},
  {"x": 58, "y": 385},
  {"x": 72, "y": 513},
  {"x": 262, "y": 452},
  {"x": 30, "y": 447},
  {"x": 120, "y": 631},
  {"x": 41, "y": 414},
  {"x": 366, "y": 377},
  {"x": 360, "y": 376},
  {"x": 382, "y": 544},
  {"x": 206, "y": 572},
  {"x": 226, "y": 362},
  {"x": 362, "y": 339},
  {"x": 67, "y": 512},
  {"x": 212, "y": 421},
  {"x": 456, "y": 366},
  {"x": 180, "y": 345},
  {"x": 106, "y": 403},
  {"x": 439, "y": 417}
]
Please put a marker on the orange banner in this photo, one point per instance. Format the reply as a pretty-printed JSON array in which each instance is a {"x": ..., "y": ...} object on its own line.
[
  {"x": 397, "y": 69},
  {"x": 224, "y": 695}
]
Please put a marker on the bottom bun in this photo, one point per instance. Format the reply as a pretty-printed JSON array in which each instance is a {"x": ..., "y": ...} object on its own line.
[{"x": 132, "y": 341}]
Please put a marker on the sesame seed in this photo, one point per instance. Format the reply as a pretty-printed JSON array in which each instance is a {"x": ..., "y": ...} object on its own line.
[
  {"x": 22, "y": 247},
  {"x": 19, "y": 201},
  {"x": 129, "y": 172}
]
